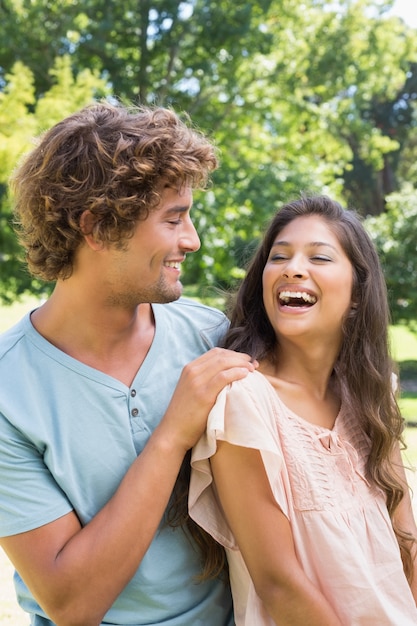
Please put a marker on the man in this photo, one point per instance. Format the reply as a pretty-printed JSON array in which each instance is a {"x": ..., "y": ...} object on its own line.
[{"x": 91, "y": 442}]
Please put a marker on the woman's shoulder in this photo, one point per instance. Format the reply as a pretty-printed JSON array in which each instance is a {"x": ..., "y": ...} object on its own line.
[
  {"x": 245, "y": 411},
  {"x": 255, "y": 380}
]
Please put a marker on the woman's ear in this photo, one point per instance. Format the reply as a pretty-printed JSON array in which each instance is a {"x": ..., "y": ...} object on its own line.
[{"x": 87, "y": 223}]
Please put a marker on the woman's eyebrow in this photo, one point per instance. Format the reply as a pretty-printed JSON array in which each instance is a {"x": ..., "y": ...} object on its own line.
[
  {"x": 320, "y": 244},
  {"x": 313, "y": 244}
]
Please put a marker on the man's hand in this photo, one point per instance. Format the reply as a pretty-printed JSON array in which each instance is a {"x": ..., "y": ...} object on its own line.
[{"x": 200, "y": 383}]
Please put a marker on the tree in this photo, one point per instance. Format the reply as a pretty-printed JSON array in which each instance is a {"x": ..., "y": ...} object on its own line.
[
  {"x": 394, "y": 233},
  {"x": 21, "y": 119},
  {"x": 311, "y": 96},
  {"x": 356, "y": 76}
]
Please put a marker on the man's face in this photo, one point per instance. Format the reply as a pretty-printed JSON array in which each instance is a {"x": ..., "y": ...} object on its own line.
[{"x": 148, "y": 268}]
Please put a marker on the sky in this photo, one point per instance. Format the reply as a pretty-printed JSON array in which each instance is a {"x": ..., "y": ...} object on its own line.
[{"x": 407, "y": 9}]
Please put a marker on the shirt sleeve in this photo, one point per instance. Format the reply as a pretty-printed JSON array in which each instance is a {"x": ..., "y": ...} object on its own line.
[
  {"x": 29, "y": 495},
  {"x": 244, "y": 415}
]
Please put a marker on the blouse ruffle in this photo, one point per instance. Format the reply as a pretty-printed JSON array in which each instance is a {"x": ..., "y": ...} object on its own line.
[{"x": 342, "y": 531}]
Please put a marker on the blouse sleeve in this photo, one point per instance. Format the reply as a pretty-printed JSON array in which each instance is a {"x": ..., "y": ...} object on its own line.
[{"x": 244, "y": 415}]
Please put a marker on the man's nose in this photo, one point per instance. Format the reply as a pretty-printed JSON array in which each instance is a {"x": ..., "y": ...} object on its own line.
[{"x": 190, "y": 241}]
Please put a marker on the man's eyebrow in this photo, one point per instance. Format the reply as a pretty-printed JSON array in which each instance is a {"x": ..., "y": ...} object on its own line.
[{"x": 177, "y": 209}]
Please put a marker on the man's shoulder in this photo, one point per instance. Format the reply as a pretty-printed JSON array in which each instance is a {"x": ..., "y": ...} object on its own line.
[
  {"x": 194, "y": 310},
  {"x": 11, "y": 337},
  {"x": 189, "y": 320}
]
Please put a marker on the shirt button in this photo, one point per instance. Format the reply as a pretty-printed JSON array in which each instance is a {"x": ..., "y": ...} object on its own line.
[
  {"x": 133, "y": 393},
  {"x": 135, "y": 412}
]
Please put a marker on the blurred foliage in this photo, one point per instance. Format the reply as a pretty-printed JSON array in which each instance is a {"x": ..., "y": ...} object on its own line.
[
  {"x": 22, "y": 117},
  {"x": 394, "y": 233},
  {"x": 408, "y": 370},
  {"x": 299, "y": 97}
]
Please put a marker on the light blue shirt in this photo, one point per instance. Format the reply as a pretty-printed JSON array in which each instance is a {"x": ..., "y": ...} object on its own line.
[{"x": 69, "y": 433}]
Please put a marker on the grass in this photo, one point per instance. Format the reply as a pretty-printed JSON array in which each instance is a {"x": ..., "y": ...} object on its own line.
[
  {"x": 404, "y": 345},
  {"x": 408, "y": 407},
  {"x": 410, "y": 454},
  {"x": 404, "y": 350}
]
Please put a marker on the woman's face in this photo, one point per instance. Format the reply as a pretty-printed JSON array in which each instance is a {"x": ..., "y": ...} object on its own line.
[{"x": 307, "y": 281}]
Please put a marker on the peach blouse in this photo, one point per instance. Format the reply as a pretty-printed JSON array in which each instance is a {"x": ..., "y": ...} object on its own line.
[{"x": 341, "y": 527}]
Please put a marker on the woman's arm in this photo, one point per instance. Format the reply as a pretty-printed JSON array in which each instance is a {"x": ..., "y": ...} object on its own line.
[
  {"x": 404, "y": 516},
  {"x": 264, "y": 536}
]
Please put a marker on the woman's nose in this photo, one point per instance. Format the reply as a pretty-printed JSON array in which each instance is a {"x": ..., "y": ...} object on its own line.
[{"x": 294, "y": 268}]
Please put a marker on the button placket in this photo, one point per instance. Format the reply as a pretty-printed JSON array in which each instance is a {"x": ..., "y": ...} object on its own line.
[{"x": 134, "y": 411}]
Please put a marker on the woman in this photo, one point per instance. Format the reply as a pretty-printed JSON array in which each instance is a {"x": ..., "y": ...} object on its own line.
[{"x": 309, "y": 494}]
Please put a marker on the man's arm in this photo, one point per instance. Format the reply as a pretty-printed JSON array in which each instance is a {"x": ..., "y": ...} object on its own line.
[{"x": 74, "y": 572}]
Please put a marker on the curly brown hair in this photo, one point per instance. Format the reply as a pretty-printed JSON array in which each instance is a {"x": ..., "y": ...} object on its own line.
[{"x": 111, "y": 160}]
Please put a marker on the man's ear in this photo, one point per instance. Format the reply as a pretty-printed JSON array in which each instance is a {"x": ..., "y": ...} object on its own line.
[{"x": 87, "y": 223}]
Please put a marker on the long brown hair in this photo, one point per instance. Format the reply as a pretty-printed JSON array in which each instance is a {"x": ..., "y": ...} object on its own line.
[
  {"x": 363, "y": 367},
  {"x": 213, "y": 556}
]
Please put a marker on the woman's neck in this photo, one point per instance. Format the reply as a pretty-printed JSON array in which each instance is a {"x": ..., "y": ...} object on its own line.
[{"x": 306, "y": 386}]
